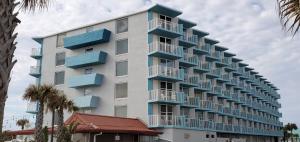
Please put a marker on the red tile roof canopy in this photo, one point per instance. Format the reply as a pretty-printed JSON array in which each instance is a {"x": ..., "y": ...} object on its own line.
[{"x": 107, "y": 124}]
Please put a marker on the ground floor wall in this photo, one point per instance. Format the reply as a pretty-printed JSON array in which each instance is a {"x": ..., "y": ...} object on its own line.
[{"x": 184, "y": 135}]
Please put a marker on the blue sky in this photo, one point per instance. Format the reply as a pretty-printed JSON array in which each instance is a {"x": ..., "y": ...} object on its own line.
[{"x": 249, "y": 28}]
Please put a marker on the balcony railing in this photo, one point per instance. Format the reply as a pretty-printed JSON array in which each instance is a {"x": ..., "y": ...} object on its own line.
[
  {"x": 215, "y": 72},
  {"x": 202, "y": 67},
  {"x": 32, "y": 107},
  {"x": 165, "y": 28},
  {"x": 35, "y": 71},
  {"x": 36, "y": 53},
  {"x": 188, "y": 40},
  {"x": 158, "y": 121},
  {"x": 170, "y": 51},
  {"x": 203, "y": 49},
  {"x": 190, "y": 80},
  {"x": 163, "y": 95},
  {"x": 190, "y": 101},
  {"x": 204, "y": 85},
  {"x": 166, "y": 73},
  {"x": 205, "y": 105},
  {"x": 188, "y": 60}
]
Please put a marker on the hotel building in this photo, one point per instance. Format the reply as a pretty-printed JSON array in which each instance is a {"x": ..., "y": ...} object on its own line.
[{"x": 154, "y": 66}]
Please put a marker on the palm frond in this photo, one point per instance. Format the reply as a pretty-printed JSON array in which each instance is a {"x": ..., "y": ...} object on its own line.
[
  {"x": 289, "y": 14},
  {"x": 32, "y": 5}
]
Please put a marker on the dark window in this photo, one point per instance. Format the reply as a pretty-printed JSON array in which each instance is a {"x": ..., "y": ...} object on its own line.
[
  {"x": 207, "y": 136},
  {"x": 60, "y": 58},
  {"x": 122, "y": 46},
  {"x": 59, "y": 78},
  {"x": 122, "y": 25},
  {"x": 122, "y": 68}
]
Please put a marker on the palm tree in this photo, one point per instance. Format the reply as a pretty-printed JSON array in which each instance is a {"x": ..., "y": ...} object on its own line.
[
  {"x": 289, "y": 13},
  {"x": 39, "y": 94},
  {"x": 52, "y": 105},
  {"x": 69, "y": 130},
  {"x": 288, "y": 131},
  {"x": 63, "y": 104},
  {"x": 22, "y": 123},
  {"x": 9, "y": 22}
]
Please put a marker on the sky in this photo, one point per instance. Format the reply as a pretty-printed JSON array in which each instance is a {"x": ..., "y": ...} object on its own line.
[{"x": 249, "y": 28}]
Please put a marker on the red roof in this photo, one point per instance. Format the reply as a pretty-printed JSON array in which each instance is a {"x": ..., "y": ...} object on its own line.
[{"x": 106, "y": 124}]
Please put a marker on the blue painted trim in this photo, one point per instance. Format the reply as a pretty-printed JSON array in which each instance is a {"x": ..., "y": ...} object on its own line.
[{"x": 87, "y": 39}]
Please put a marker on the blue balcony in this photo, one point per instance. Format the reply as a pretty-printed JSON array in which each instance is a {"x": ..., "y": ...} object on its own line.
[
  {"x": 165, "y": 73},
  {"x": 214, "y": 73},
  {"x": 32, "y": 107},
  {"x": 202, "y": 67},
  {"x": 86, "y": 59},
  {"x": 86, "y": 102},
  {"x": 205, "y": 105},
  {"x": 165, "y": 28},
  {"x": 214, "y": 56},
  {"x": 164, "y": 50},
  {"x": 36, "y": 53},
  {"x": 35, "y": 71},
  {"x": 192, "y": 102},
  {"x": 203, "y": 86},
  {"x": 87, "y": 39},
  {"x": 188, "y": 40},
  {"x": 205, "y": 49},
  {"x": 189, "y": 81},
  {"x": 188, "y": 60},
  {"x": 85, "y": 80}
]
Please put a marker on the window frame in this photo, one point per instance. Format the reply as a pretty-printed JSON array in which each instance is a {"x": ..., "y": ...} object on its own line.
[
  {"x": 55, "y": 77},
  {"x": 116, "y": 68},
  {"x": 120, "y": 106},
  {"x": 116, "y": 90},
  {"x": 56, "y": 60},
  {"x": 121, "y": 19},
  {"x": 57, "y": 41},
  {"x": 116, "y": 46}
]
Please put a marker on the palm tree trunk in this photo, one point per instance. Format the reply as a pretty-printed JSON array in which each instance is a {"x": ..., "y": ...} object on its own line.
[
  {"x": 60, "y": 127},
  {"x": 39, "y": 123},
  {"x": 52, "y": 125},
  {"x": 8, "y": 23}
]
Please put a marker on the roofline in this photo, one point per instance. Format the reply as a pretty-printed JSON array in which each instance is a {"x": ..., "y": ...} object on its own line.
[{"x": 103, "y": 21}]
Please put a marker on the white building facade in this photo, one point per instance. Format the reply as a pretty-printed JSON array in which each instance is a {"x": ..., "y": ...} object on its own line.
[{"x": 155, "y": 66}]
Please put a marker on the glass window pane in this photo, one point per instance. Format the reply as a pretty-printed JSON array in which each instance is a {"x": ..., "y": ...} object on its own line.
[
  {"x": 60, "y": 40},
  {"x": 122, "y": 25},
  {"x": 59, "y": 78},
  {"x": 121, "y": 90},
  {"x": 122, "y": 68},
  {"x": 122, "y": 46},
  {"x": 60, "y": 59},
  {"x": 121, "y": 111}
]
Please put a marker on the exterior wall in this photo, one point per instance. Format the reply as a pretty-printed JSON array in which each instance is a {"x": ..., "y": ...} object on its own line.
[{"x": 137, "y": 63}]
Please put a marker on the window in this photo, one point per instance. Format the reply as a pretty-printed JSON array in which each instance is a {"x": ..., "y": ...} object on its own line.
[
  {"x": 121, "y": 90},
  {"x": 207, "y": 136},
  {"x": 60, "y": 58},
  {"x": 89, "y": 50},
  {"x": 60, "y": 40},
  {"x": 122, "y": 46},
  {"x": 88, "y": 71},
  {"x": 167, "y": 63},
  {"x": 89, "y": 29},
  {"x": 121, "y": 111},
  {"x": 122, "y": 25},
  {"x": 59, "y": 78},
  {"x": 121, "y": 68},
  {"x": 86, "y": 91}
]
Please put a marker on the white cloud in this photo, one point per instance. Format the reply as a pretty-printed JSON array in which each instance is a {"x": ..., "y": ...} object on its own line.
[{"x": 249, "y": 28}]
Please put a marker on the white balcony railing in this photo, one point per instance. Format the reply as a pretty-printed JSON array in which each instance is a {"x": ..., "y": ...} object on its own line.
[
  {"x": 165, "y": 25},
  {"x": 164, "y": 71},
  {"x": 165, "y": 48},
  {"x": 163, "y": 95}
]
